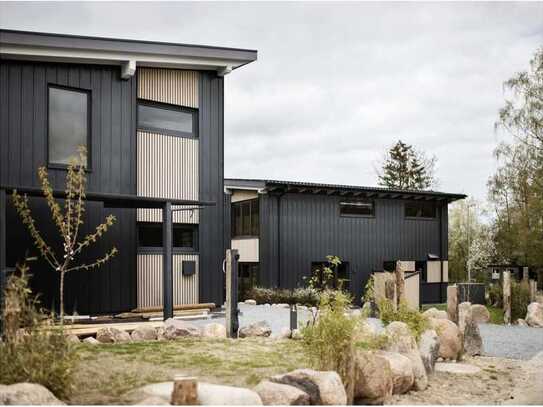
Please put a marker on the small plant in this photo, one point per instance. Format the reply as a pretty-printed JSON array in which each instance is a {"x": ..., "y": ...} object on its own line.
[
  {"x": 329, "y": 341},
  {"x": 416, "y": 322},
  {"x": 301, "y": 296},
  {"x": 495, "y": 295},
  {"x": 520, "y": 299},
  {"x": 325, "y": 278},
  {"x": 68, "y": 221},
  {"x": 33, "y": 349}
]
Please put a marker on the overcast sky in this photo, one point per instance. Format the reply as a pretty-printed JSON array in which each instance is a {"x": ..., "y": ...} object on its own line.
[{"x": 335, "y": 84}]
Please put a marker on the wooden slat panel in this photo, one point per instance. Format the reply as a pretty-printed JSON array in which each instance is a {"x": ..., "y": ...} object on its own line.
[{"x": 168, "y": 86}]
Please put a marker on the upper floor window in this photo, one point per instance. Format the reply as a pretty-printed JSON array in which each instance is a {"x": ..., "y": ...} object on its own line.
[
  {"x": 420, "y": 209},
  {"x": 357, "y": 208},
  {"x": 184, "y": 236},
  {"x": 245, "y": 218},
  {"x": 167, "y": 119},
  {"x": 69, "y": 123}
]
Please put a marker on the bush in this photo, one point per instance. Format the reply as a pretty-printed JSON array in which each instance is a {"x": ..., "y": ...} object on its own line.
[
  {"x": 520, "y": 299},
  {"x": 495, "y": 295},
  {"x": 302, "y": 296},
  {"x": 329, "y": 341},
  {"x": 416, "y": 322},
  {"x": 33, "y": 349}
]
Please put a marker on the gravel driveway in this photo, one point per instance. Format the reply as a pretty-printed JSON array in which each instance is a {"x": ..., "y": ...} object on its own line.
[{"x": 514, "y": 342}]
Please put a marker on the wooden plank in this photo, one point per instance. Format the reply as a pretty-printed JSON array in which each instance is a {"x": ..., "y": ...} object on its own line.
[{"x": 208, "y": 305}]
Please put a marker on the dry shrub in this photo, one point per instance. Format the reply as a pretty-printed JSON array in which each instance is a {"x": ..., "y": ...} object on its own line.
[
  {"x": 520, "y": 299},
  {"x": 416, "y": 322},
  {"x": 32, "y": 349}
]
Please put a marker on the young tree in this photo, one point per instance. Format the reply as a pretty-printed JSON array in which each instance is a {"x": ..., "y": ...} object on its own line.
[
  {"x": 68, "y": 220},
  {"x": 406, "y": 168}
]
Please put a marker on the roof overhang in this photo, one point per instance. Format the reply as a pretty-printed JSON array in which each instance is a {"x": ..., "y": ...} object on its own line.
[{"x": 128, "y": 54}]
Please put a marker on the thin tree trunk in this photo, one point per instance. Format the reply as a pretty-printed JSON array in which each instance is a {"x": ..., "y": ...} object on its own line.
[{"x": 62, "y": 297}]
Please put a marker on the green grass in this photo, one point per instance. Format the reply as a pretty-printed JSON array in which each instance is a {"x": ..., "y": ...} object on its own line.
[
  {"x": 496, "y": 314},
  {"x": 106, "y": 374}
]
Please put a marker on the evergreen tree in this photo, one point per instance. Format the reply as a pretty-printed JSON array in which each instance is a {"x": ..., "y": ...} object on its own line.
[{"x": 406, "y": 168}]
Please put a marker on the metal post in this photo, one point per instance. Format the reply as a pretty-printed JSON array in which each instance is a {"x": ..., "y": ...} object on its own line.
[
  {"x": 293, "y": 317},
  {"x": 3, "y": 244},
  {"x": 232, "y": 323},
  {"x": 167, "y": 260}
]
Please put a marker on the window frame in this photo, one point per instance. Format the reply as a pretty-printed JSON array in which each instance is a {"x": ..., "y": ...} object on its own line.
[
  {"x": 167, "y": 106},
  {"x": 434, "y": 203},
  {"x": 88, "y": 92},
  {"x": 351, "y": 202},
  {"x": 239, "y": 204},
  {"x": 175, "y": 250}
]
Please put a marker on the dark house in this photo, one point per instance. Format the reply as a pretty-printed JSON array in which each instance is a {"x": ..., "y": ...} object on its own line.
[
  {"x": 151, "y": 117},
  {"x": 283, "y": 230}
]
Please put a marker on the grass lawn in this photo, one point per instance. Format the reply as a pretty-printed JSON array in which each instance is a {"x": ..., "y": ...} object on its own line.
[
  {"x": 496, "y": 314},
  {"x": 106, "y": 373}
]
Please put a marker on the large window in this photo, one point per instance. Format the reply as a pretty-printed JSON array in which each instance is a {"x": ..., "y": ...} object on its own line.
[
  {"x": 69, "y": 123},
  {"x": 167, "y": 119},
  {"x": 420, "y": 209},
  {"x": 245, "y": 218},
  {"x": 184, "y": 236},
  {"x": 357, "y": 208}
]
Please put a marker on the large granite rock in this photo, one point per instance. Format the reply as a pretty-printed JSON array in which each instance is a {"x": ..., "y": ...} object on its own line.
[
  {"x": 144, "y": 333},
  {"x": 177, "y": 328},
  {"x": 73, "y": 338},
  {"x": 480, "y": 314},
  {"x": 464, "y": 315},
  {"x": 27, "y": 394},
  {"x": 402, "y": 341},
  {"x": 112, "y": 335},
  {"x": 450, "y": 338},
  {"x": 373, "y": 379},
  {"x": 214, "y": 330},
  {"x": 401, "y": 367},
  {"x": 277, "y": 394},
  {"x": 429, "y": 349},
  {"x": 435, "y": 313},
  {"x": 260, "y": 328},
  {"x": 91, "y": 340},
  {"x": 473, "y": 343},
  {"x": 323, "y": 388},
  {"x": 534, "y": 316}
]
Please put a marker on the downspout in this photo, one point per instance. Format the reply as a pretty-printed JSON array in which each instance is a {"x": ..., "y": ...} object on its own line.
[{"x": 279, "y": 196}]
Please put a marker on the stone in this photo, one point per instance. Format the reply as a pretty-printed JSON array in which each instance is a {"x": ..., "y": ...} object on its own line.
[
  {"x": 464, "y": 315},
  {"x": 91, "y": 340},
  {"x": 373, "y": 379},
  {"x": 296, "y": 334},
  {"x": 112, "y": 335},
  {"x": 73, "y": 338},
  {"x": 402, "y": 341},
  {"x": 260, "y": 328},
  {"x": 284, "y": 333},
  {"x": 534, "y": 316},
  {"x": 457, "y": 368},
  {"x": 277, "y": 394},
  {"x": 521, "y": 322},
  {"x": 435, "y": 313},
  {"x": 250, "y": 302},
  {"x": 323, "y": 388},
  {"x": 452, "y": 303},
  {"x": 401, "y": 367},
  {"x": 473, "y": 343},
  {"x": 281, "y": 305},
  {"x": 144, "y": 333},
  {"x": 214, "y": 330},
  {"x": 480, "y": 314},
  {"x": 185, "y": 391},
  {"x": 176, "y": 328},
  {"x": 429, "y": 349},
  {"x": 450, "y": 338},
  {"x": 27, "y": 394}
]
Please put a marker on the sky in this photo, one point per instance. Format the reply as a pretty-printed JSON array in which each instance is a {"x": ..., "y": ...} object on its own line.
[{"x": 336, "y": 84}]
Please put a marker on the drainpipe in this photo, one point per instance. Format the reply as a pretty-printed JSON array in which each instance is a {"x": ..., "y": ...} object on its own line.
[{"x": 279, "y": 196}]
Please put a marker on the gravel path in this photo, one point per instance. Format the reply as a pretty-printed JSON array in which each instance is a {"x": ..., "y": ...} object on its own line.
[{"x": 514, "y": 342}]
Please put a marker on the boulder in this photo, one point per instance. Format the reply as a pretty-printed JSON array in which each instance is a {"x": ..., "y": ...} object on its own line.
[
  {"x": 435, "y": 313},
  {"x": 260, "y": 328},
  {"x": 402, "y": 341},
  {"x": 112, "y": 335},
  {"x": 450, "y": 338},
  {"x": 323, "y": 388},
  {"x": 480, "y": 314},
  {"x": 177, "y": 328},
  {"x": 534, "y": 316},
  {"x": 402, "y": 371},
  {"x": 250, "y": 302},
  {"x": 521, "y": 322},
  {"x": 277, "y": 394},
  {"x": 473, "y": 343},
  {"x": 27, "y": 394},
  {"x": 144, "y": 333},
  {"x": 284, "y": 333},
  {"x": 429, "y": 349},
  {"x": 160, "y": 333},
  {"x": 296, "y": 334},
  {"x": 90, "y": 340},
  {"x": 464, "y": 315},
  {"x": 373, "y": 378},
  {"x": 214, "y": 330},
  {"x": 73, "y": 338}
]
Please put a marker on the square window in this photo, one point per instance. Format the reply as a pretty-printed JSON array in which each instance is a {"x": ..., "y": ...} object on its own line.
[
  {"x": 420, "y": 209},
  {"x": 184, "y": 236},
  {"x": 357, "y": 208}
]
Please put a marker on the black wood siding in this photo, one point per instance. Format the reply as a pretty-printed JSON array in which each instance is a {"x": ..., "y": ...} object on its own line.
[
  {"x": 23, "y": 148},
  {"x": 310, "y": 228}
]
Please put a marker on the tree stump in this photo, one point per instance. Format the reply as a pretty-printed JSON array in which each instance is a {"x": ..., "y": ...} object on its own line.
[
  {"x": 507, "y": 297},
  {"x": 185, "y": 391}
]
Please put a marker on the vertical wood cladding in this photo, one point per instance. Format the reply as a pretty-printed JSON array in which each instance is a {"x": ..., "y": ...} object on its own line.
[
  {"x": 169, "y": 86},
  {"x": 310, "y": 228},
  {"x": 23, "y": 148}
]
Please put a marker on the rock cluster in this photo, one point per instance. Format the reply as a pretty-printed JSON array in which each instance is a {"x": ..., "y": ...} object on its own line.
[
  {"x": 450, "y": 338},
  {"x": 27, "y": 394}
]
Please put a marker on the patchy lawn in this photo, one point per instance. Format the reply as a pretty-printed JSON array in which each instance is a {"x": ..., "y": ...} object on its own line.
[
  {"x": 107, "y": 373},
  {"x": 496, "y": 314}
]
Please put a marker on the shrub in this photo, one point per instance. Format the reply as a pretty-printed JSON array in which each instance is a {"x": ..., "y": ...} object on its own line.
[
  {"x": 302, "y": 296},
  {"x": 495, "y": 295},
  {"x": 520, "y": 299},
  {"x": 329, "y": 341},
  {"x": 416, "y": 322},
  {"x": 33, "y": 350}
]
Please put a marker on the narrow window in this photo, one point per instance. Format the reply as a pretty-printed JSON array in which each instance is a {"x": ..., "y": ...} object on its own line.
[
  {"x": 184, "y": 237},
  {"x": 245, "y": 218},
  {"x": 69, "y": 124},
  {"x": 167, "y": 119},
  {"x": 420, "y": 209},
  {"x": 357, "y": 208}
]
